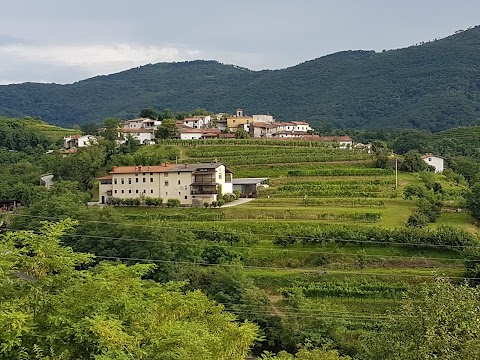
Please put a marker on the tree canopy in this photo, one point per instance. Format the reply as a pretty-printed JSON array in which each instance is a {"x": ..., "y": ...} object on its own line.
[
  {"x": 431, "y": 86},
  {"x": 51, "y": 310}
]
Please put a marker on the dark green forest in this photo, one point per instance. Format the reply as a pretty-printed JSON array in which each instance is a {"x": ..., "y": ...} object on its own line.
[{"x": 432, "y": 86}]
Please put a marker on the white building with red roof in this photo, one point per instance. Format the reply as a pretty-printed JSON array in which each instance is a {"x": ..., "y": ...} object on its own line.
[{"x": 436, "y": 161}]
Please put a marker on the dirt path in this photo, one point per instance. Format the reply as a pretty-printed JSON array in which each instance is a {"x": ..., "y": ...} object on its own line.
[{"x": 274, "y": 300}]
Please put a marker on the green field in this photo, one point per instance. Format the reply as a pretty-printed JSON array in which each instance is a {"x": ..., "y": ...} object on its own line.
[{"x": 348, "y": 260}]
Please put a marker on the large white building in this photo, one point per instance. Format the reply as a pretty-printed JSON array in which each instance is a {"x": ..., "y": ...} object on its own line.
[{"x": 191, "y": 184}]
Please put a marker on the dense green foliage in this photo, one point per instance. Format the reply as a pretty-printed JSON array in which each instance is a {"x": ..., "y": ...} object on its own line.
[
  {"x": 51, "y": 310},
  {"x": 432, "y": 86}
]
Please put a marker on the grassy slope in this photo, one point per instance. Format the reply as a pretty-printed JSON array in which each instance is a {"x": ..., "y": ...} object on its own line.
[
  {"x": 52, "y": 132},
  {"x": 304, "y": 266}
]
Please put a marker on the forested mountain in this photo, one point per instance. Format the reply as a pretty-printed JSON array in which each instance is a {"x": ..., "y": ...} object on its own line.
[{"x": 433, "y": 86}]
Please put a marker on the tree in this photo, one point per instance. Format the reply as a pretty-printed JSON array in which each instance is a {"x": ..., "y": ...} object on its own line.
[
  {"x": 473, "y": 200},
  {"x": 307, "y": 354},
  {"x": 111, "y": 128},
  {"x": 51, "y": 309},
  {"x": 438, "y": 324},
  {"x": 89, "y": 128},
  {"x": 380, "y": 154},
  {"x": 241, "y": 134},
  {"x": 166, "y": 114},
  {"x": 168, "y": 130},
  {"x": 149, "y": 114},
  {"x": 413, "y": 162}
]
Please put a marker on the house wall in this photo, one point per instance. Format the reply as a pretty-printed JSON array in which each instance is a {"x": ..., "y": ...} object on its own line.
[
  {"x": 234, "y": 122},
  {"x": 437, "y": 162},
  {"x": 263, "y": 118},
  {"x": 167, "y": 185},
  {"x": 191, "y": 136}
]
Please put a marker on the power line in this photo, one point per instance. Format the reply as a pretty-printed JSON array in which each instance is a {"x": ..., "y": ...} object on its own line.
[
  {"x": 309, "y": 311},
  {"x": 326, "y": 272},
  {"x": 256, "y": 248},
  {"x": 314, "y": 316},
  {"x": 169, "y": 227}
]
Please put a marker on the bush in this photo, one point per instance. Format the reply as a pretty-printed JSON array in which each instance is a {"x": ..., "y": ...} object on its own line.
[
  {"x": 173, "y": 203},
  {"x": 114, "y": 201},
  {"x": 236, "y": 193},
  {"x": 206, "y": 205},
  {"x": 213, "y": 204},
  {"x": 220, "y": 202},
  {"x": 414, "y": 191},
  {"x": 136, "y": 202},
  {"x": 417, "y": 219}
]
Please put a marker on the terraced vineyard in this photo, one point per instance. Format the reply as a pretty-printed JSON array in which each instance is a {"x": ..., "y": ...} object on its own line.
[{"x": 326, "y": 240}]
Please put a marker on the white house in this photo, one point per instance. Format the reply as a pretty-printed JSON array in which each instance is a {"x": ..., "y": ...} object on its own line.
[
  {"x": 144, "y": 136},
  {"x": 197, "y": 122},
  {"x": 195, "y": 134},
  {"x": 77, "y": 141},
  {"x": 141, "y": 123},
  {"x": 435, "y": 161}
]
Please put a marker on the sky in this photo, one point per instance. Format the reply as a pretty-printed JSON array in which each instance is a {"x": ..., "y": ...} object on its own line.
[{"x": 64, "y": 41}]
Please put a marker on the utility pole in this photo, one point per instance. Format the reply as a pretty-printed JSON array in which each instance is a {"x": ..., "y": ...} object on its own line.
[{"x": 396, "y": 173}]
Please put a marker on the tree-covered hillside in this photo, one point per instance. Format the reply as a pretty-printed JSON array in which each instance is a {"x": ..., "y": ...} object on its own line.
[{"x": 432, "y": 86}]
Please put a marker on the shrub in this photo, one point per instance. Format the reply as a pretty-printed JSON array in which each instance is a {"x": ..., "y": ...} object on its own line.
[
  {"x": 226, "y": 198},
  {"x": 149, "y": 201},
  {"x": 136, "y": 202},
  {"x": 414, "y": 190},
  {"x": 206, "y": 205},
  {"x": 220, "y": 202},
  {"x": 173, "y": 203},
  {"x": 114, "y": 201},
  {"x": 417, "y": 219},
  {"x": 213, "y": 204},
  {"x": 236, "y": 193}
]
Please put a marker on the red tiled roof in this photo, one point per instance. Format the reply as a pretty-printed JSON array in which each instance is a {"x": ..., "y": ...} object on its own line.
[
  {"x": 108, "y": 177},
  {"x": 430, "y": 155},
  {"x": 260, "y": 124},
  {"x": 141, "y": 130},
  {"x": 138, "y": 120},
  {"x": 142, "y": 169}
]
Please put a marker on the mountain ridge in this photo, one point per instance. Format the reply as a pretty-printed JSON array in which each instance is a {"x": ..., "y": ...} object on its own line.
[{"x": 433, "y": 86}]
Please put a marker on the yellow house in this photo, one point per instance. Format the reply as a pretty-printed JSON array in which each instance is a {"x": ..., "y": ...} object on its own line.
[{"x": 238, "y": 120}]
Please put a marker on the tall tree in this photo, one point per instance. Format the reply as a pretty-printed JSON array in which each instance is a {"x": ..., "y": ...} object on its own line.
[
  {"x": 49, "y": 309},
  {"x": 168, "y": 130},
  {"x": 442, "y": 323}
]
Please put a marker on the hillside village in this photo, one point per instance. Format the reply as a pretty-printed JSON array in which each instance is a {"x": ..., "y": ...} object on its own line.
[{"x": 219, "y": 126}]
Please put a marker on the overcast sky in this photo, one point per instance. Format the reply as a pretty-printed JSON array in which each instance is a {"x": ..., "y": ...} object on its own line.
[{"x": 65, "y": 41}]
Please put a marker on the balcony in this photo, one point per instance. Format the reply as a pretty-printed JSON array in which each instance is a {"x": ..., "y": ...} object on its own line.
[{"x": 201, "y": 188}]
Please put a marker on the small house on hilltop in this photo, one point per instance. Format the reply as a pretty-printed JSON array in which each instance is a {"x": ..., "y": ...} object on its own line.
[{"x": 435, "y": 161}]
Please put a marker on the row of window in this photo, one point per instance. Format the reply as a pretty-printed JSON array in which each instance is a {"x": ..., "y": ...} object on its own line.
[
  {"x": 145, "y": 191},
  {"x": 122, "y": 181}
]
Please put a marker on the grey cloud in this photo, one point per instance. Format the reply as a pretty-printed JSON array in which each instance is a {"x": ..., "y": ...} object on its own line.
[{"x": 253, "y": 33}]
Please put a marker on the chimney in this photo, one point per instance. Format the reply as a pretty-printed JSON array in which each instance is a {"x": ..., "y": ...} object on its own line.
[
  {"x": 165, "y": 163},
  {"x": 186, "y": 165},
  {"x": 149, "y": 168},
  {"x": 136, "y": 168}
]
